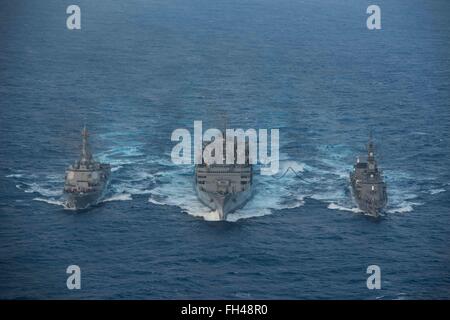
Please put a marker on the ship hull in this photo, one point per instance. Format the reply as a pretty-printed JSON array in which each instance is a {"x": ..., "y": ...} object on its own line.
[
  {"x": 224, "y": 204},
  {"x": 368, "y": 208},
  {"x": 368, "y": 201},
  {"x": 86, "y": 181},
  {"x": 83, "y": 200},
  {"x": 80, "y": 201}
]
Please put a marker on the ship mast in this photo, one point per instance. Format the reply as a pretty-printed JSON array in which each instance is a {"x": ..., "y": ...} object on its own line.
[
  {"x": 86, "y": 155},
  {"x": 370, "y": 149},
  {"x": 371, "y": 154}
]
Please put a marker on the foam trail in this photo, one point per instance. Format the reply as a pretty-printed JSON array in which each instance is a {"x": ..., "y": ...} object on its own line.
[
  {"x": 119, "y": 197},
  {"x": 334, "y": 206},
  {"x": 404, "y": 207},
  {"x": 331, "y": 182},
  {"x": 51, "y": 201},
  {"x": 46, "y": 192},
  {"x": 175, "y": 187},
  {"x": 133, "y": 172}
]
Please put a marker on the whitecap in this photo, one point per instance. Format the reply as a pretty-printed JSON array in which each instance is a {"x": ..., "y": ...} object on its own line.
[
  {"x": 114, "y": 169},
  {"x": 15, "y": 175},
  {"x": 436, "y": 191}
]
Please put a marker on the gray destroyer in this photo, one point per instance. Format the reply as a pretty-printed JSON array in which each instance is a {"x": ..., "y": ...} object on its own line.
[
  {"x": 224, "y": 187},
  {"x": 86, "y": 180},
  {"x": 368, "y": 187}
]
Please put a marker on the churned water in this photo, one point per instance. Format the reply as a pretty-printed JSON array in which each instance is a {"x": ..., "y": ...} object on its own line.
[{"x": 137, "y": 70}]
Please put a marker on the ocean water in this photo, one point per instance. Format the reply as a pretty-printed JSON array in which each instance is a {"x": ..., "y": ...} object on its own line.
[{"x": 139, "y": 69}]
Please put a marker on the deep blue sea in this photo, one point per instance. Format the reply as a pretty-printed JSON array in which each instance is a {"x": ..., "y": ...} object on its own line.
[{"x": 139, "y": 69}]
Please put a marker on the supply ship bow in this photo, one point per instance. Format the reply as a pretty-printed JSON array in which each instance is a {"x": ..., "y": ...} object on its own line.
[{"x": 224, "y": 187}]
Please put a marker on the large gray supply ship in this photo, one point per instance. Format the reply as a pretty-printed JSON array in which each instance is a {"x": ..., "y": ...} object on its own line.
[
  {"x": 86, "y": 180},
  {"x": 224, "y": 187},
  {"x": 368, "y": 187}
]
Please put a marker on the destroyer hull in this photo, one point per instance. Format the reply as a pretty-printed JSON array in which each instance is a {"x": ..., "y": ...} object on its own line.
[
  {"x": 370, "y": 202},
  {"x": 83, "y": 200},
  {"x": 224, "y": 203},
  {"x": 368, "y": 208}
]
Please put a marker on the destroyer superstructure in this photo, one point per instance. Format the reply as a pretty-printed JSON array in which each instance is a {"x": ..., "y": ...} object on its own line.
[{"x": 86, "y": 180}]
